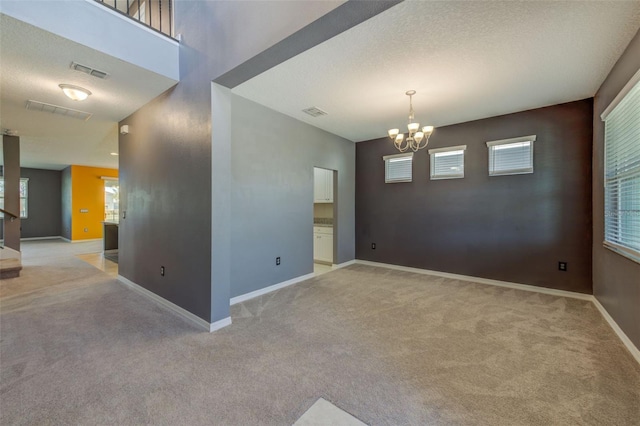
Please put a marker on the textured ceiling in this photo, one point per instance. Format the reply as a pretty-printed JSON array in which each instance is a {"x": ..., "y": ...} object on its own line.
[
  {"x": 34, "y": 62},
  {"x": 466, "y": 60}
]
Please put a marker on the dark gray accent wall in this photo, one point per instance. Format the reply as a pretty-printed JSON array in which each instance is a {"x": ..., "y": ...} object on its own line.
[
  {"x": 166, "y": 160},
  {"x": 65, "y": 203},
  {"x": 11, "y": 174},
  {"x": 616, "y": 279},
  {"x": 45, "y": 208},
  {"x": 511, "y": 228},
  {"x": 273, "y": 156}
]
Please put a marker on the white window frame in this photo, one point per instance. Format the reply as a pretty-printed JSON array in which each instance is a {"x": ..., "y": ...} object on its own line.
[
  {"x": 388, "y": 159},
  {"x": 521, "y": 139},
  {"x": 25, "y": 198},
  {"x": 433, "y": 157},
  {"x": 617, "y": 247}
]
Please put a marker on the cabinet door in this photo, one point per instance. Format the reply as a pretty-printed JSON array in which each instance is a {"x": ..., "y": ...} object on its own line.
[
  {"x": 328, "y": 176},
  {"x": 316, "y": 246},
  {"x": 318, "y": 185},
  {"x": 326, "y": 247}
]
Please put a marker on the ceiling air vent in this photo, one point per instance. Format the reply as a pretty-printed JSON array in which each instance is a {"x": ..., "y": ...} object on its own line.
[
  {"x": 88, "y": 70},
  {"x": 59, "y": 110},
  {"x": 314, "y": 112}
]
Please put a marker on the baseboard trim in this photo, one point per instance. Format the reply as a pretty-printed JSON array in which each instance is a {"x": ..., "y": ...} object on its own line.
[
  {"x": 65, "y": 239},
  {"x": 80, "y": 241},
  {"x": 262, "y": 291},
  {"x": 41, "y": 238},
  {"x": 343, "y": 265},
  {"x": 635, "y": 353},
  {"x": 210, "y": 327},
  {"x": 507, "y": 284}
]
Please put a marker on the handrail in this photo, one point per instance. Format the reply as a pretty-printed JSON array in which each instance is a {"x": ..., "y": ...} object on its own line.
[
  {"x": 152, "y": 14},
  {"x": 11, "y": 215}
]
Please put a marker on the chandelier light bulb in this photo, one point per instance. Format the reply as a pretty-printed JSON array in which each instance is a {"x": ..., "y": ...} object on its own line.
[{"x": 415, "y": 137}]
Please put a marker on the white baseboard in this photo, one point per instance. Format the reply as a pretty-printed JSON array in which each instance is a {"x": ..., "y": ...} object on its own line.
[
  {"x": 616, "y": 328},
  {"x": 247, "y": 296},
  {"x": 210, "y": 327},
  {"x": 524, "y": 287},
  {"x": 65, "y": 239},
  {"x": 85, "y": 241},
  {"x": 41, "y": 238},
  {"x": 343, "y": 265}
]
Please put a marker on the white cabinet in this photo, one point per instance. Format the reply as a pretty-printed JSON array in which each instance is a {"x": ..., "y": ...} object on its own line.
[
  {"x": 323, "y": 244},
  {"x": 322, "y": 185}
]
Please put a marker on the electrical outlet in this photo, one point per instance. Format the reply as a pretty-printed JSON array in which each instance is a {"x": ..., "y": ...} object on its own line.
[
  {"x": 373, "y": 246},
  {"x": 562, "y": 266},
  {"x": 162, "y": 271},
  {"x": 278, "y": 260},
  {"x": 86, "y": 229}
]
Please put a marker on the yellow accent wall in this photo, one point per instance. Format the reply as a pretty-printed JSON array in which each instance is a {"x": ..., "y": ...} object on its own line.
[{"x": 87, "y": 193}]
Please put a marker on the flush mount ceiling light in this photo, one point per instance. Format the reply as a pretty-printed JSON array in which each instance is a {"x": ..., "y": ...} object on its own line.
[
  {"x": 115, "y": 154},
  {"x": 415, "y": 136},
  {"x": 75, "y": 93}
]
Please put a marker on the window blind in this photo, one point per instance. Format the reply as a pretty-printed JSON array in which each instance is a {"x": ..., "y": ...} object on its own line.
[
  {"x": 398, "y": 168},
  {"x": 622, "y": 175},
  {"x": 511, "y": 156},
  {"x": 447, "y": 163}
]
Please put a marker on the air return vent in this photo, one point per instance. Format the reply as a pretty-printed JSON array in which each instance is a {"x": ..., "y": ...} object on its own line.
[
  {"x": 88, "y": 70},
  {"x": 59, "y": 110},
  {"x": 314, "y": 112}
]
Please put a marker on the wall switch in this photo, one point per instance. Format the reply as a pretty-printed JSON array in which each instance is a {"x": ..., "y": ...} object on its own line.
[
  {"x": 562, "y": 266},
  {"x": 162, "y": 271},
  {"x": 84, "y": 210},
  {"x": 373, "y": 246},
  {"x": 278, "y": 260}
]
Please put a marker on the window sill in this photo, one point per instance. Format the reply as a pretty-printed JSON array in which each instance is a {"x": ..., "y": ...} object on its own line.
[{"x": 622, "y": 251}]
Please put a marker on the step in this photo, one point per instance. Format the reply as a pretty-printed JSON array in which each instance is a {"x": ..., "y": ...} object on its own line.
[{"x": 10, "y": 268}]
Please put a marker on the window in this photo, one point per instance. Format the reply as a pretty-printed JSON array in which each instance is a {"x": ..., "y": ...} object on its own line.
[
  {"x": 24, "y": 197},
  {"x": 622, "y": 172},
  {"x": 398, "y": 168},
  {"x": 511, "y": 156},
  {"x": 447, "y": 163}
]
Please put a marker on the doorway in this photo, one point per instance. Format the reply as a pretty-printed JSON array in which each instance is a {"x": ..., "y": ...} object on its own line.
[{"x": 324, "y": 219}]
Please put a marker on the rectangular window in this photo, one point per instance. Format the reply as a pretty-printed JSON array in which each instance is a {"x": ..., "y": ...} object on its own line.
[
  {"x": 447, "y": 163},
  {"x": 622, "y": 174},
  {"x": 24, "y": 197},
  {"x": 511, "y": 156},
  {"x": 398, "y": 168}
]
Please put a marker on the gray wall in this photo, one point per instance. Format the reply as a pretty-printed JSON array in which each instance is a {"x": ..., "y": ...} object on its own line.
[
  {"x": 511, "y": 228},
  {"x": 273, "y": 156},
  {"x": 65, "y": 203},
  {"x": 616, "y": 279},
  {"x": 44, "y": 203},
  {"x": 166, "y": 160},
  {"x": 11, "y": 174}
]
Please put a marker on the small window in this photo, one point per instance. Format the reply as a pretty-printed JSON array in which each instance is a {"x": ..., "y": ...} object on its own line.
[
  {"x": 398, "y": 168},
  {"x": 622, "y": 172},
  {"x": 24, "y": 197},
  {"x": 511, "y": 156},
  {"x": 447, "y": 163}
]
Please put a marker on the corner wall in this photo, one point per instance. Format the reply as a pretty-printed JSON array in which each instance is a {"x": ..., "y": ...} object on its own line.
[
  {"x": 511, "y": 228},
  {"x": 616, "y": 279},
  {"x": 272, "y": 163},
  {"x": 65, "y": 200}
]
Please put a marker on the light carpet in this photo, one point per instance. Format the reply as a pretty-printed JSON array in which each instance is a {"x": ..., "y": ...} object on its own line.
[{"x": 389, "y": 347}]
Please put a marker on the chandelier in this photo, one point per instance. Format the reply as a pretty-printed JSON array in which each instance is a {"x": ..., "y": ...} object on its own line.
[{"x": 416, "y": 136}]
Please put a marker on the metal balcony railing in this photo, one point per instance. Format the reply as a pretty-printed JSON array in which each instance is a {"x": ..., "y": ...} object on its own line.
[{"x": 156, "y": 14}]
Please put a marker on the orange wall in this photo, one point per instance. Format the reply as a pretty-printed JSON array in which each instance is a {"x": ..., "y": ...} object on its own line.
[{"x": 87, "y": 192}]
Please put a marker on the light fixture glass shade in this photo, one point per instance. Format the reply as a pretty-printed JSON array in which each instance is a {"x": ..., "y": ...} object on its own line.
[
  {"x": 413, "y": 127},
  {"x": 393, "y": 133},
  {"x": 75, "y": 93},
  {"x": 400, "y": 138},
  {"x": 427, "y": 130},
  {"x": 418, "y": 137}
]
